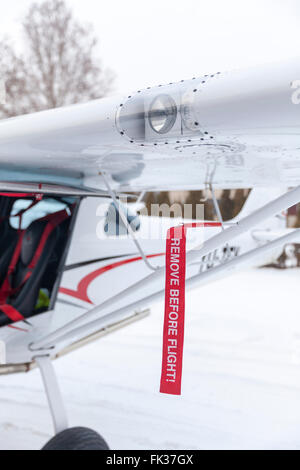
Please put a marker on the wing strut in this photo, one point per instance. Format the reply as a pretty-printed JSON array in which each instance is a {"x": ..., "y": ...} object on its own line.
[
  {"x": 90, "y": 321},
  {"x": 126, "y": 223},
  {"x": 216, "y": 206}
]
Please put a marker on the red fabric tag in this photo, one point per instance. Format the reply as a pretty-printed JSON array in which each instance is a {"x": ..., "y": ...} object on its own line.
[{"x": 173, "y": 334}]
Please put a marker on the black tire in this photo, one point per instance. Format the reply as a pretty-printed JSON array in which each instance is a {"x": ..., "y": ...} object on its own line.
[{"x": 77, "y": 439}]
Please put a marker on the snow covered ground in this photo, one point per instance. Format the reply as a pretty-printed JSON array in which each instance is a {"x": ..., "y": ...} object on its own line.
[{"x": 241, "y": 386}]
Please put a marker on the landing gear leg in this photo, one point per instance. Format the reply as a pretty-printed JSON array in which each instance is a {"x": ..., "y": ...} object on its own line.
[
  {"x": 55, "y": 400},
  {"x": 65, "y": 439}
]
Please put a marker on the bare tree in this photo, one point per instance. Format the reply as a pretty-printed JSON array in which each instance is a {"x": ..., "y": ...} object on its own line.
[
  {"x": 59, "y": 65},
  {"x": 12, "y": 73}
]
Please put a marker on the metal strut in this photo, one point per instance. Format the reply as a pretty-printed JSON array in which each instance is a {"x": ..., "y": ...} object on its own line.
[
  {"x": 216, "y": 206},
  {"x": 56, "y": 404},
  {"x": 126, "y": 223},
  {"x": 219, "y": 217},
  {"x": 80, "y": 326},
  {"x": 196, "y": 280}
]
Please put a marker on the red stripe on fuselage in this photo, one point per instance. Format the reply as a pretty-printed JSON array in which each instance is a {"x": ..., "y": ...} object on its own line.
[
  {"x": 81, "y": 292},
  {"x": 17, "y": 328}
]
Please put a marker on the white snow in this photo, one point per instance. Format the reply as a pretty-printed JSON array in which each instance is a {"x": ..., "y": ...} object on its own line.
[{"x": 241, "y": 384}]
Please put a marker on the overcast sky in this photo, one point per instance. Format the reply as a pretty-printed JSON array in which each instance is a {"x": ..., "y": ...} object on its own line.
[{"x": 158, "y": 41}]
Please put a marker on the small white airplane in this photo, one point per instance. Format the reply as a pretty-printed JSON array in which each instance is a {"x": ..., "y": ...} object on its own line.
[{"x": 64, "y": 279}]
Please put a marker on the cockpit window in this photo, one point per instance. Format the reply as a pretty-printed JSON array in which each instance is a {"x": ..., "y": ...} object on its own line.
[{"x": 38, "y": 211}]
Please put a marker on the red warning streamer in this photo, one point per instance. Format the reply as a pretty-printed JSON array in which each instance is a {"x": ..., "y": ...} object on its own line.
[{"x": 173, "y": 335}]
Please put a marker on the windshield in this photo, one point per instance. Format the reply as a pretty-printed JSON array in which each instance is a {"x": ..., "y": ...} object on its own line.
[{"x": 40, "y": 210}]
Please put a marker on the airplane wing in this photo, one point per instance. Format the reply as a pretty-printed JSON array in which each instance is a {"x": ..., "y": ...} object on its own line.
[
  {"x": 235, "y": 129},
  {"x": 65, "y": 279},
  {"x": 60, "y": 283}
]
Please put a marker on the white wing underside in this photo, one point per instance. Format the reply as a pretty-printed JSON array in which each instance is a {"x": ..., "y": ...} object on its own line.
[{"x": 247, "y": 135}]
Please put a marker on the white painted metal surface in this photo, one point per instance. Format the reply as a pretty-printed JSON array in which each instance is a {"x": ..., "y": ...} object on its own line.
[
  {"x": 2, "y": 353},
  {"x": 238, "y": 129},
  {"x": 111, "y": 266},
  {"x": 234, "y": 129},
  {"x": 156, "y": 278},
  {"x": 69, "y": 332}
]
